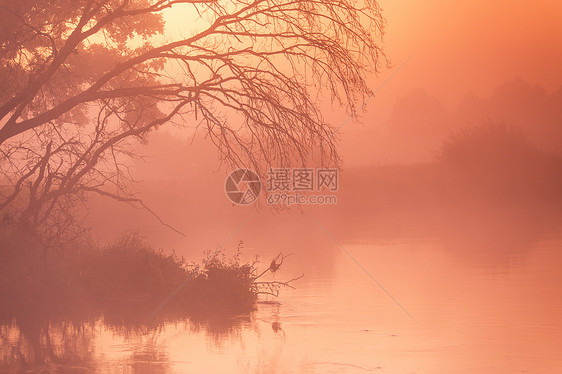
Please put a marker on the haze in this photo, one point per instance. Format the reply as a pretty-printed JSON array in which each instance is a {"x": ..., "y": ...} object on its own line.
[{"x": 432, "y": 247}]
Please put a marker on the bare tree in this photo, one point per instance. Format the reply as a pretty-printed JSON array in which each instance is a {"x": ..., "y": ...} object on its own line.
[{"x": 82, "y": 79}]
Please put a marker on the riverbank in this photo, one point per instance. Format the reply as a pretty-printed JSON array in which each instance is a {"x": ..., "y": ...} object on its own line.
[{"x": 128, "y": 274}]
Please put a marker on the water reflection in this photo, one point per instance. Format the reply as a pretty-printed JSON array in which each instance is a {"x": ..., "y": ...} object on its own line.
[
  {"x": 47, "y": 344},
  {"x": 106, "y": 342},
  {"x": 483, "y": 301}
]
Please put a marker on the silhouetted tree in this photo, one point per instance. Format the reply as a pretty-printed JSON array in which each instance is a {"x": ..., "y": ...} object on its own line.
[{"x": 81, "y": 79}]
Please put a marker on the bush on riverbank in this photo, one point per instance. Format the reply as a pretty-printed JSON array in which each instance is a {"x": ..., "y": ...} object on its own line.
[{"x": 124, "y": 273}]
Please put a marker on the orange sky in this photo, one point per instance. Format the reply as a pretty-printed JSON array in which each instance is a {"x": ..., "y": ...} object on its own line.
[
  {"x": 460, "y": 45},
  {"x": 457, "y": 47}
]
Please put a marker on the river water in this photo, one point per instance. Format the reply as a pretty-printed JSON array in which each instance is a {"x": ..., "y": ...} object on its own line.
[{"x": 393, "y": 306}]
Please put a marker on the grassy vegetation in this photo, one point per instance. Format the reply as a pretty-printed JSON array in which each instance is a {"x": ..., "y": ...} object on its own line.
[
  {"x": 127, "y": 274},
  {"x": 52, "y": 293}
]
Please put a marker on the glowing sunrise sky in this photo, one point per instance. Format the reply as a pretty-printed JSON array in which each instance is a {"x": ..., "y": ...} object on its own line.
[
  {"x": 456, "y": 47},
  {"x": 459, "y": 47}
]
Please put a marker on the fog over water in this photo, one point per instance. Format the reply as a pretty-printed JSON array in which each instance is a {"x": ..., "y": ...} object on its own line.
[{"x": 434, "y": 245}]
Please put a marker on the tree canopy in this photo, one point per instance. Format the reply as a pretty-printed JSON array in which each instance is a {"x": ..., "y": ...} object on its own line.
[{"x": 81, "y": 79}]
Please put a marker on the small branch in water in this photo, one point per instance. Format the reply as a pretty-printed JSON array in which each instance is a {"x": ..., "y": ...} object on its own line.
[{"x": 273, "y": 287}]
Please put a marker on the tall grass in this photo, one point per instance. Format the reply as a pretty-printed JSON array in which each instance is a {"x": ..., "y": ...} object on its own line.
[{"x": 128, "y": 272}]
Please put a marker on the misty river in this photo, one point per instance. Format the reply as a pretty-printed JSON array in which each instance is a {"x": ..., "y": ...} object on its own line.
[
  {"x": 272, "y": 186},
  {"x": 463, "y": 312}
]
